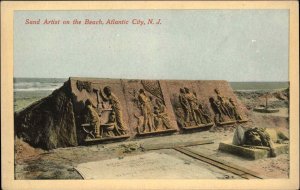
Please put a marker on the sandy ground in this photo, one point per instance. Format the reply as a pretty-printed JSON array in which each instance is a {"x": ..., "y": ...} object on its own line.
[{"x": 33, "y": 163}]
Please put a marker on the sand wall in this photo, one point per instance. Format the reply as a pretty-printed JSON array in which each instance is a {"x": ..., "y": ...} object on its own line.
[{"x": 90, "y": 110}]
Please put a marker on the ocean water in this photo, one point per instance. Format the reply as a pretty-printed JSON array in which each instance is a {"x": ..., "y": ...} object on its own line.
[
  {"x": 37, "y": 84},
  {"x": 29, "y": 90},
  {"x": 249, "y": 86},
  {"x": 50, "y": 84}
]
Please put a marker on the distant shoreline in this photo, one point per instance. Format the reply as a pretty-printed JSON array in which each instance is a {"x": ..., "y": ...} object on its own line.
[
  {"x": 29, "y": 90},
  {"x": 50, "y": 84},
  {"x": 251, "y": 86}
]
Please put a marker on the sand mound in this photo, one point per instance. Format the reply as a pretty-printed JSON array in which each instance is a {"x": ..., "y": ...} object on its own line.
[
  {"x": 23, "y": 151},
  {"x": 56, "y": 120}
]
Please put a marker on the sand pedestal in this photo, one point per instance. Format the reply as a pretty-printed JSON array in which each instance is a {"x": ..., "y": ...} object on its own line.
[{"x": 251, "y": 153}]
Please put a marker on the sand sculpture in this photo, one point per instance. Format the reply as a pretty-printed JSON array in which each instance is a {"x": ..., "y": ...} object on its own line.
[
  {"x": 86, "y": 110},
  {"x": 256, "y": 142}
]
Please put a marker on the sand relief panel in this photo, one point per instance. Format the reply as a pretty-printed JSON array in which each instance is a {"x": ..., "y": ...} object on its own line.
[
  {"x": 88, "y": 110},
  {"x": 148, "y": 111},
  {"x": 225, "y": 109},
  {"x": 201, "y": 104},
  {"x": 99, "y": 107},
  {"x": 191, "y": 112}
]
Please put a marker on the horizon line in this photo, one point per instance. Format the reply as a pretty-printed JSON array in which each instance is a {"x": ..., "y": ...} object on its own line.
[{"x": 140, "y": 79}]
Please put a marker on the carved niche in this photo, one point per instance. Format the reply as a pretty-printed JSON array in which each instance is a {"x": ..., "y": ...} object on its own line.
[
  {"x": 104, "y": 120},
  {"x": 152, "y": 116},
  {"x": 190, "y": 112},
  {"x": 225, "y": 109}
]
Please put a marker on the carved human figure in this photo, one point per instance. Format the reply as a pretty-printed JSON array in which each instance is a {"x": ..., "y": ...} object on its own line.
[
  {"x": 259, "y": 137},
  {"x": 161, "y": 106},
  {"x": 185, "y": 105},
  {"x": 221, "y": 102},
  {"x": 160, "y": 116},
  {"x": 193, "y": 103},
  {"x": 84, "y": 85},
  {"x": 202, "y": 116},
  {"x": 215, "y": 107},
  {"x": 229, "y": 108},
  {"x": 116, "y": 107},
  {"x": 146, "y": 109},
  {"x": 112, "y": 129},
  {"x": 92, "y": 117},
  {"x": 234, "y": 111}
]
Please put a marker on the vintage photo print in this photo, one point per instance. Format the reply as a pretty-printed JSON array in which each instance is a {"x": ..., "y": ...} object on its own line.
[{"x": 150, "y": 95}]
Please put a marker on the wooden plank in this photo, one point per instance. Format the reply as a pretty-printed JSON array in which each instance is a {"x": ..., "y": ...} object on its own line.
[
  {"x": 173, "y": 145},
  {"x": 242, "y": 121},
  {"x": 226, "y": 123},
  {"x": 198, "y": 126},
  {"x": 106, "y": 138},
  {"x": 221, "y": 164},
  {"x": 225, "y": 162},
  {"x": 156, "y": 132}
]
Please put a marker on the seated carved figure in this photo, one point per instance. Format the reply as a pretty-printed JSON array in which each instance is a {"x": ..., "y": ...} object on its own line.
[
  {"x": 93, "y": 127},
  {"x": 111, "y": 128},
  {"x": 92, "y": 119}
]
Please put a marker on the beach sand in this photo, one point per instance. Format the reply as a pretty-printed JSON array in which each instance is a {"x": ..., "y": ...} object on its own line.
[{"x": 31, "y": 163}]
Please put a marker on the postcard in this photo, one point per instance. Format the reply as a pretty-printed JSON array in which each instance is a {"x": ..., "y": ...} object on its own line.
[{"x": 150, "y": 95}]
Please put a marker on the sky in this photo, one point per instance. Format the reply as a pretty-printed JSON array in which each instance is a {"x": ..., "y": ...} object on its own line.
[{"x": 233, "y": 45}]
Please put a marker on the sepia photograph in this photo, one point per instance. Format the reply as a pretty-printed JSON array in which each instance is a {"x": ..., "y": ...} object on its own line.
[{"x": 152, "y": 91}]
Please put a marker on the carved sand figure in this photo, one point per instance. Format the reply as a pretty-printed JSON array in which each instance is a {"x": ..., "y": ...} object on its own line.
[
  {"x": 92, "y": 117},
  {"x": 259, "y": 137},
  {"x": 222, "y": 103},
  {"x": 215, "y": 107},
  {"x": 158, "y": 119},
  {"x": 116, "y": 107},
  {"x": 161, "y": 120},
  {"x": 234, "y": 111},
  {"x": 229, "y": 109},
  {"x": 192, "y": 100},
  {"x": 111, "y": 127},
  {"x": 202, "y": 116},
  {"x": 193, "y": 112},
  {"x": 84, "y": 85},
  {"x": 146, "y": 109},
  {"x": 185, "y": 105}
]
